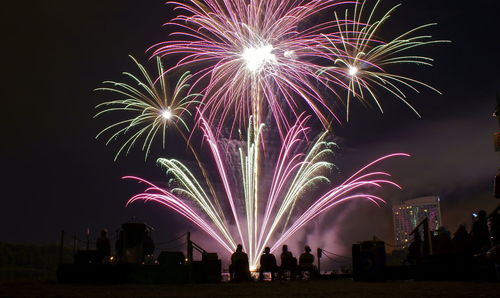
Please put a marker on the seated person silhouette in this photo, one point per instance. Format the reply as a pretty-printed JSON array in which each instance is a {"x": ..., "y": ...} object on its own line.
[
  {"x": 306, "y": 261},
  {"x": 239, "y": 268},
  {"x": 148, "y": 245},
  {"x": 120, "y": 246},
  {"x": 288, "y": 262},
  {"x": 414, "y": 250},
  {"x": 267, "y": 264},
  {"x": 103, "y": 246}
]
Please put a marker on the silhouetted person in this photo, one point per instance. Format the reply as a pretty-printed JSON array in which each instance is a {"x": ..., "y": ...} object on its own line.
[
  {"x": 239, "y": 269},
  {"x": 494, "y": 230},
  {"x": 414, "y": 250},
  {"x": 267, "y": 264},
  {"x": 120, "y": 246},
  {"x": 306, "y": 261},
  {"x": 441, "y": 242},
  {"x": 496, "y": 113},
  {"x": 103, "y": 245},
  {"x": 479, "y": 233},
  {"x": 493, "y": 224},
  {"x": 148, "y": 245},
  {"x": 288, "y": 262},
  {"x": 461, "y": 242}
]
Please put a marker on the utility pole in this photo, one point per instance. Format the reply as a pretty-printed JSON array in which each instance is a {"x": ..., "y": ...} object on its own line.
[
  {"x": 61, "y": 247},
  {"x": 496, "y": 140},
  {"x": 88, "y": 238},
  {"x": 189, "y": 247},
  {"x": 320, "y": 254}
]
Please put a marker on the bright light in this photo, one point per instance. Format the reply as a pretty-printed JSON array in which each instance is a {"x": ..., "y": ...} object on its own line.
[
  {"x": 166, "y": 114},
  {"x": 353, "y": 70},
  {"x": 256, "y": 58},
  {"x": 289, "y": 54},
  {"x": 253, "y": 268}
]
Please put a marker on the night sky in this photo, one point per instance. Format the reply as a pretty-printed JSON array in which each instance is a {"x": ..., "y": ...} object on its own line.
[{"x": 56, "y": 175}]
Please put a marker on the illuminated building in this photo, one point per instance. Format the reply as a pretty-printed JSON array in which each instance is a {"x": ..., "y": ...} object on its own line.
[{"x": 410, "y": 213}]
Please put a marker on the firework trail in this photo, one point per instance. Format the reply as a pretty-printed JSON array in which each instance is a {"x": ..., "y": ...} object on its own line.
[
  {"x": 267, "y": 212},
  {"x": 152, "y": 109}
]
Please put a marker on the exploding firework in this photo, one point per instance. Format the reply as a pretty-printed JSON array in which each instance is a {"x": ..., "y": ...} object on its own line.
[
  {"x": 249, "y": 52},
  {"x": 361, "y": 57},
  {"x": 265, "y": 214},
  {"x": 152, "y": 109}
]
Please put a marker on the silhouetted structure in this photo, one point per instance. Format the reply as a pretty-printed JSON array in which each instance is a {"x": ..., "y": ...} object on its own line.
[
  {"x": 206, "y": 270},
  {"x": 134, "y": 243},
  {"x": 368, "y": 261},
  {"x": 239, "y": 269}
]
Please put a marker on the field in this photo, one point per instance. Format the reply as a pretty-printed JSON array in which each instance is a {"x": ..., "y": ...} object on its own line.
[{"x": 339, "y": 288}]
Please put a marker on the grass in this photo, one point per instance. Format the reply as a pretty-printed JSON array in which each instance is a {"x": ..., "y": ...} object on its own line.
[{"x": 339, "y": 288}]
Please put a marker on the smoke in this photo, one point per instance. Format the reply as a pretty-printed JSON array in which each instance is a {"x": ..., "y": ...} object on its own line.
[{"x": 452, "y": 157}]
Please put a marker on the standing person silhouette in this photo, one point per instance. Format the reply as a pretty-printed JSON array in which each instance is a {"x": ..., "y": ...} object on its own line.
[{"x": 479, "y": 233}]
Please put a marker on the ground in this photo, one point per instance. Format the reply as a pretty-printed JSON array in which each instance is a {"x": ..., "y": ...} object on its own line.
[{"x": 339, "y": 288}]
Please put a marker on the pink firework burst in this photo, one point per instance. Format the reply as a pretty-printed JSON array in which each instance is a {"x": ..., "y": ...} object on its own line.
[{"x": 253, "y": 56}]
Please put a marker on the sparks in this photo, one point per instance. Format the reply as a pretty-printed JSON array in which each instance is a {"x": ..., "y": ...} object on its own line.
[
  {"x": 257, "y": 58},
  {"x": 267, "y": 213},
  {"x": 353, "y": 70},
  {"x": 167, "y": 114},
  {"x": 149, "y": 105},
  {"x": 356, "y": 45}
]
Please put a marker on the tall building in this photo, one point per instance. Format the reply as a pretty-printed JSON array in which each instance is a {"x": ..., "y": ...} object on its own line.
[{"x": 410, "y": 213}]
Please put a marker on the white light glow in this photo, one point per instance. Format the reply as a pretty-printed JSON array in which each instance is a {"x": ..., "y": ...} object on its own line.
[
  {"x": 353, "y": 70},
  {"x": 253, "y": 268},
  {"x": 166, "y": 114},
  {"x": 256, "y": 57},
  {"x": 289, "y": 54}
]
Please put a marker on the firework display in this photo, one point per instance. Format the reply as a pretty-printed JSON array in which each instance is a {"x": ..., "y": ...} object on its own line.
[
  {"x": 262, "y": 73},
  {"x": 152, "y": 109},
  {"x": 294, "y": 174},
  {"x": 252, "y": 51}
]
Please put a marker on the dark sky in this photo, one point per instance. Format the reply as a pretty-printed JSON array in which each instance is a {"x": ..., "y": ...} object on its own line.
[{"x": 55, "y": 175}]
